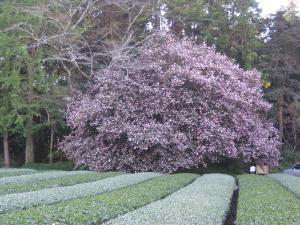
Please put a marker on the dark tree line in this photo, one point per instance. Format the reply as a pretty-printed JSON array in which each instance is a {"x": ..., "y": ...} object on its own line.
[
  {"x": 280, "y": 62},
  {"x": 49, "y": 49}
]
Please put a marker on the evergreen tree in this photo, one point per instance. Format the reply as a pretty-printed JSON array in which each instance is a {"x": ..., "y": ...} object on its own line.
[
  {"x": 25, "y": 81},
  {"x": 281, "y": 66},
  {"x": 233, "y": 26},
  {"x": 9, "y": 91}
]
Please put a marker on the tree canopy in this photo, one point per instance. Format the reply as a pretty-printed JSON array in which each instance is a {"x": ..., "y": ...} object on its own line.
[{"x": 175, "y": 105}]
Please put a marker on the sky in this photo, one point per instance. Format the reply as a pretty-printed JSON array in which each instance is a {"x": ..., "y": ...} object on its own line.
[{"x": 271, "y": 6}]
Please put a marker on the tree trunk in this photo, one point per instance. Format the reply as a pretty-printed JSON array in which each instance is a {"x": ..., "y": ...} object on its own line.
[
  {"x": 157, "y": 15},
  {"x": 6, "y": 150},
  {"x": 280, "y": 118},
  {"x": 29, "y": 151},
  {"x": 51, "y": 144}
]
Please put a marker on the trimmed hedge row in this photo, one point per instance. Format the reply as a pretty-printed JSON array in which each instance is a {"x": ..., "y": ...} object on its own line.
[
  {"x": 100, "y": 208},
  {"x": 39, "y": 176},
  {"x": 263, "y": 201},
  {"x": 290, "y": 182},
  {"x": 8, "y": 172},
  {"x": 25, "y": 200},
  {"x": 4, "y": 170},
  {"x": 206, "y": 201},
  {"x": 55, "y": 182}
]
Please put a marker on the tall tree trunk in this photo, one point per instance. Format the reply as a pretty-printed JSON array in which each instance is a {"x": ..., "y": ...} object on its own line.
[
  {"x": 6, "y": 150},
  {"x": 280, "y": 118},
  {"x": 29, "y": 151},
  {"x": 51, "y": 144},
  {"x": 157, "y": 15},
  {"x": 294, "y": 122}
]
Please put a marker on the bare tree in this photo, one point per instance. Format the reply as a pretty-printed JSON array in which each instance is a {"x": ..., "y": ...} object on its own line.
[
  {"x": 77, "y": 38},
  {"x": 84, "y": 35}
]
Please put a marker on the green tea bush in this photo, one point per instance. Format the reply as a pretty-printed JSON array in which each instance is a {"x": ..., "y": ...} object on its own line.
[
  {"x": 290, "y": 182},
  {"x": 38, "y": 176},
  {"x": 9, "y": 172},
  {"x": 100, "y": 208},
  {"x": 204, "y": 202},
  {"x": 263, "y": 201},
  {"x": 55, "y": 182},
  {"x": 24, "y": 200}
]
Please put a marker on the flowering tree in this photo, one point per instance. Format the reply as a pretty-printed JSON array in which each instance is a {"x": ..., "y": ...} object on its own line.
[{"x": 173, "y": 105}]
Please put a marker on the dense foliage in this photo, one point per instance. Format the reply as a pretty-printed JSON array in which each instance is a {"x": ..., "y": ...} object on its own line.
[
  {"x": 281, "y": 67},
  {"x": 231, "y": 25},
  {"x": 66, "y": 165},
  {"x": 175, "y": 105}
]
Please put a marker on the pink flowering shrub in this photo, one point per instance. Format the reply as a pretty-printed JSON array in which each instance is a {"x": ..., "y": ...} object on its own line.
[{"x": 174, "y": 105}]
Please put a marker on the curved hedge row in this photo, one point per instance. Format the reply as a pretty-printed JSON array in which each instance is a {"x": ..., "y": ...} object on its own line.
[
  {"x": 206, "y": 202},
  {"x": 38, "y": 176},
  {"x": 290, "y": 182},
  {"x": 55, "y": 182},
  {"x": 121, "y": 199},
  {"x": 5, "y": 170},
  {"x": 25, "y": 200},
  {"x": 8, "y": 172},
  {"x": 263, "y": 201},
  {"x": 100, "y": 208}
]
